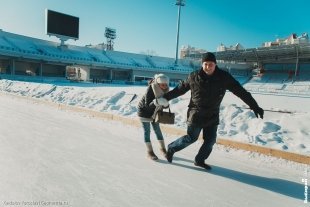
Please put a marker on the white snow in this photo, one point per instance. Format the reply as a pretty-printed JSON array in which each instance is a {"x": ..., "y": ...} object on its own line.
[
  {"x": 50, "y": 157},
  {"x": 284, "y": 131}
]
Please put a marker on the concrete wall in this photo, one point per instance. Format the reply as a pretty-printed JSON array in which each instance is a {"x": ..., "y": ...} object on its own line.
[
  {"x": 304, "y": 68},
  {"x": 84, "y": 73}
]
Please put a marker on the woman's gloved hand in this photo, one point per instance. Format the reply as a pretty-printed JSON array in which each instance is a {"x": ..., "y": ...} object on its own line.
[{"x": 161, "y": 102}]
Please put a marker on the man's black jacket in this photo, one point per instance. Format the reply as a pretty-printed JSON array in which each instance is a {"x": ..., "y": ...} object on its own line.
[{"x": 207, "y": 93}]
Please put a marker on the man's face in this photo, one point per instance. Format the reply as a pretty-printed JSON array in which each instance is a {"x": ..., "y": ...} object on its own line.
[{"x": 208, "y": 67}]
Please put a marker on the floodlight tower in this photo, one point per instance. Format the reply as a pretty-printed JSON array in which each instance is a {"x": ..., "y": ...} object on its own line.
[
  {"x": 110, "y": 34},
  {"x": 179, "y": 3}
]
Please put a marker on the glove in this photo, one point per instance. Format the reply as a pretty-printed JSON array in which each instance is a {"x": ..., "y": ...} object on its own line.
[
  {"x": 161, "y": 102},
  {"x": 259, "y": 111}
]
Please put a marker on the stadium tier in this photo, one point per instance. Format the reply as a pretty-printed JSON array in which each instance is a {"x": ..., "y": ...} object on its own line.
[
  {"x": 21, "y": 55},
  {"x": 24, "y": 58}
]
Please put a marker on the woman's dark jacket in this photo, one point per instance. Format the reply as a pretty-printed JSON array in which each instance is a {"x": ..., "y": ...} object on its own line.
[
  {"x": 207, "y": 93},
  {"x": 146, "y": 108}
]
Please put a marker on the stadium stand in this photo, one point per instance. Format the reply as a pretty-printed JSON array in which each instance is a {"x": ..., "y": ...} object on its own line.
[
  {"x": 22, "y": 45},
  {"x": 27, "y": 58}
]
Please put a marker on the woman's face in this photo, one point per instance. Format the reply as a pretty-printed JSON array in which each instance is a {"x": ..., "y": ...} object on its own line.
[{"x": 163, "y": 86}]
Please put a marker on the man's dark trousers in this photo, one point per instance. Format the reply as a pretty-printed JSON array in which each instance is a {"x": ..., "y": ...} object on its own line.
[{"x": 209, "y": 139}]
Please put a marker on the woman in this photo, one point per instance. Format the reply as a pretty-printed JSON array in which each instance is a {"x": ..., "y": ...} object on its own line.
[{"x": 146, "y": 108}]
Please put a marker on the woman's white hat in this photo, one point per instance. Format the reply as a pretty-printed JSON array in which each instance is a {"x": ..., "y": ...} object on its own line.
[{"x": 161, "y": 78}]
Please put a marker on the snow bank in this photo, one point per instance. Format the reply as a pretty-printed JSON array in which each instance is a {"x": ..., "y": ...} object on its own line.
[{"x": 284, "y": 131}]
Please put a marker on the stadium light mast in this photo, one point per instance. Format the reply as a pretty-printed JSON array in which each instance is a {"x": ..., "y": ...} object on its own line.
[
  {"x": 110, "y": 34},
  {"x": 179, "y": 3}
]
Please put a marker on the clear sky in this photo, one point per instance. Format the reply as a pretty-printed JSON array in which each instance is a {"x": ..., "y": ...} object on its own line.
[{"x": 144, "y": 25}]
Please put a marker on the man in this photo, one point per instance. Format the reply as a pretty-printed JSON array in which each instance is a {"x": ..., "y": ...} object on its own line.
[{"x": 208, "y": 86}]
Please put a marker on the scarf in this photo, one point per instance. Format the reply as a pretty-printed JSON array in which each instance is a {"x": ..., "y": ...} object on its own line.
[{"x": 158, "y": 92}]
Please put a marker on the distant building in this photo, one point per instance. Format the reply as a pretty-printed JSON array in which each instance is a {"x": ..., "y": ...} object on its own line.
[
  {"x": 222, "y": 47},
  {"x": 191, "y": 52},
  {"x": 292, "y": 39},
  {"x": 100, "y": 46}
]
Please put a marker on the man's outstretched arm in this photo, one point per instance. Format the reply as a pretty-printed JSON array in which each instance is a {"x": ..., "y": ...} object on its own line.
[
  {"x": 179, "y": 90},
  {"x": 235, "y": 87}
]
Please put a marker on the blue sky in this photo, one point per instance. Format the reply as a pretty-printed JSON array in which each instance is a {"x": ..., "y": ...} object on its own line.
[{"x": 143, "y": 25}]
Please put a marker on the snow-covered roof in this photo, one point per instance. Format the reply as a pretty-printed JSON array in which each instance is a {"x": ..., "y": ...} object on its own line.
[
  {"x": 278, "y": 54},
  {"x": 27, "y": 47}
]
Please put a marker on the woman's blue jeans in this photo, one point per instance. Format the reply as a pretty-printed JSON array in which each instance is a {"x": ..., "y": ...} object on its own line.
[
  {"x": 209, "y": 139},
  {"x": 147, "y": 131}
]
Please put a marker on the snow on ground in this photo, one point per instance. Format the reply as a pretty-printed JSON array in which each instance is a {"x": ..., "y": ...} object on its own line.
[
  {"x": 51, "y": 157},
  {"x": 284, "y": 131}
]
